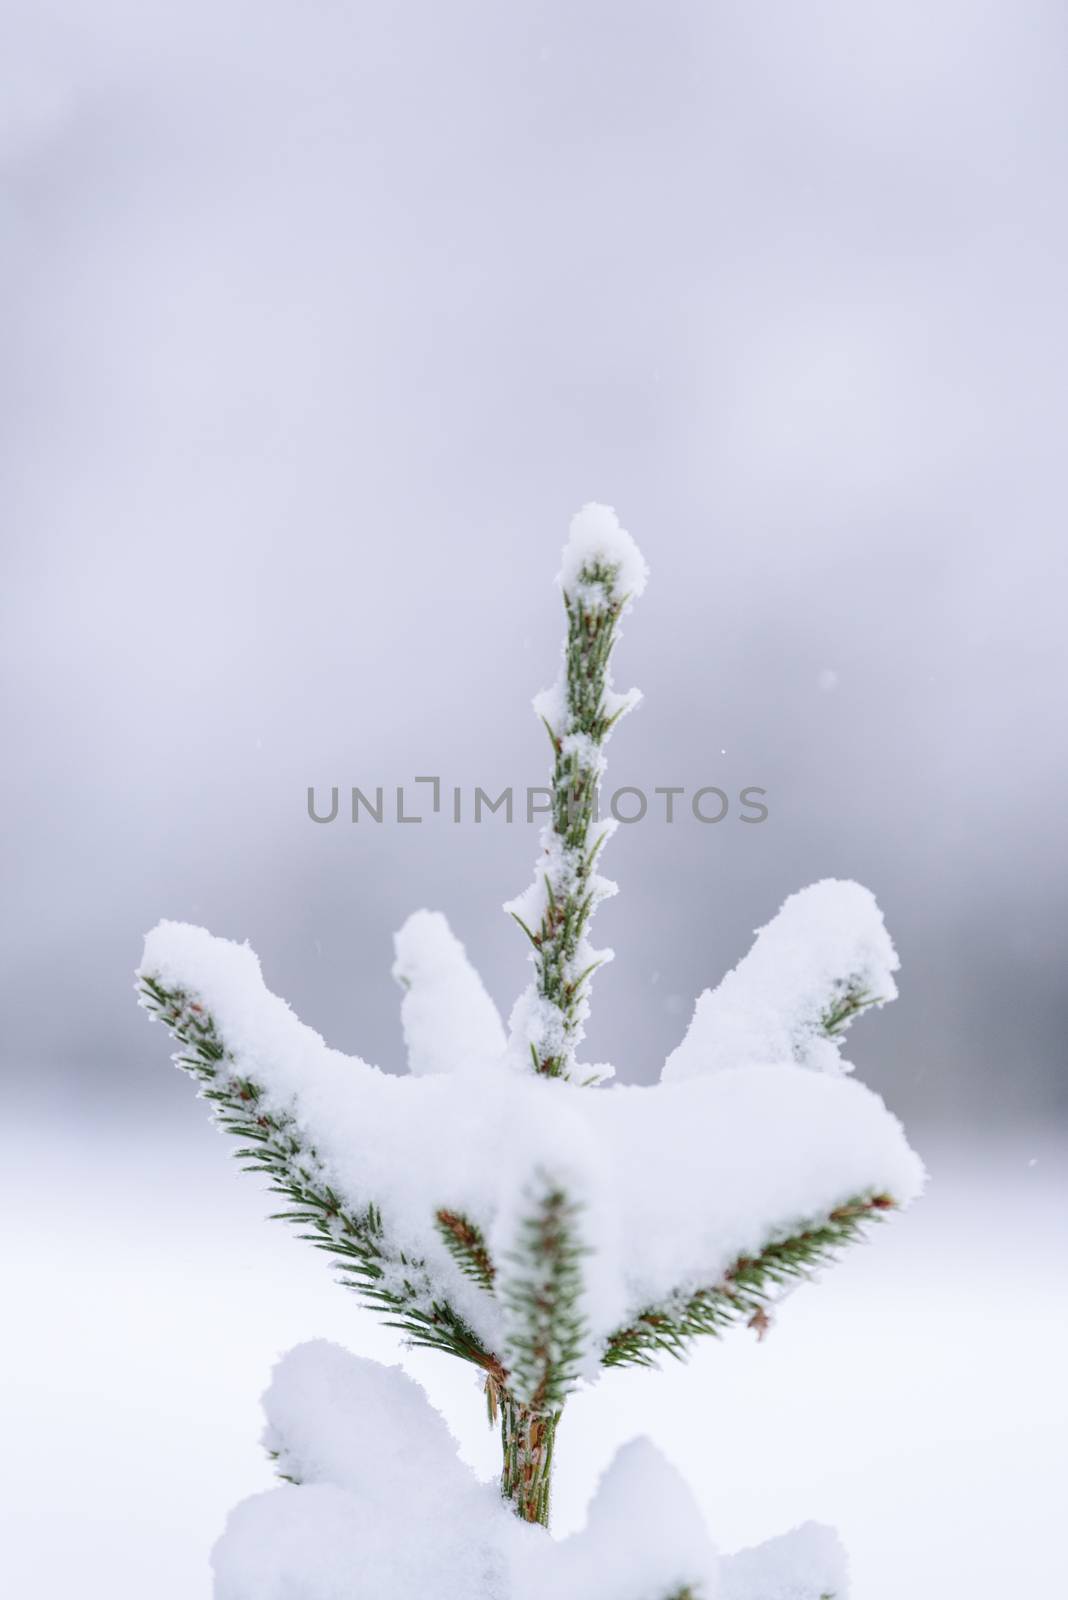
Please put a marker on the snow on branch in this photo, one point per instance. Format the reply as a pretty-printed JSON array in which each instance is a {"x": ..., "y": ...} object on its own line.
[
  {"x": 450, "y": 1023},
  {"x": 819, "y": 963},
  {"x": 375, "y": 1499},
  {"x": 323, "y": 1408},
  {"x": 395, "y": 1283},
  {"x": 602, "y": 566},
  {"x": 413, "y": 1184},
  {"x": 747, "y": 1290}
]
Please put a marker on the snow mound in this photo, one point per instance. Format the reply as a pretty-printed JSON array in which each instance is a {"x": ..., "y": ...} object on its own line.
[
  {"x": 806, "y": 1564},
  {"x": 384, "y": 1508}
]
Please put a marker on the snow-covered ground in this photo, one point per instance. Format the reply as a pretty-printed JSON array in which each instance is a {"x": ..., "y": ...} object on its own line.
[{"x": 916, "y": 1398}]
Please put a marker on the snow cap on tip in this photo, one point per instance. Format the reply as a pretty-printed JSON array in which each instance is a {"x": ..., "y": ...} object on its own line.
[{"x": 597, "y": 539}]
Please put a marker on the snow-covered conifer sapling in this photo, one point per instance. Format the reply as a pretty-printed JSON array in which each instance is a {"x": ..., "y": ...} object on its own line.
[{"x": 505, "y": 1204}]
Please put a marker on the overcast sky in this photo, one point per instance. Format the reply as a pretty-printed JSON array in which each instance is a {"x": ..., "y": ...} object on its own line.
[{"x": 317, "y": 322}]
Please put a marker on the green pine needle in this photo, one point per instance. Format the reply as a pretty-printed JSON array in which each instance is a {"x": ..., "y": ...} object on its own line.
[
  {"x": 541, "y": 1295},
  {"x": 846, "y": 1006}
]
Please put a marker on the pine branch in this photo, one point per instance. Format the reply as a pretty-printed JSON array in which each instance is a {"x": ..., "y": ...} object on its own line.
[
  {"x": 579, "y": 716},
  {"x": 746, "y": 1289},
  {"x": 394, "y": 1284},
  {"x": 541, "y": 1292},
  {"x": 466, "y": 1244},
  {"x": 577, "y": 769}
]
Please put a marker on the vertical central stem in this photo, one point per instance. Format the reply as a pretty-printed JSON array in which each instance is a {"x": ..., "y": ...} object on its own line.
[
  {"x": 527, "y": 1441},
  {"x": 563, "y": 961}
]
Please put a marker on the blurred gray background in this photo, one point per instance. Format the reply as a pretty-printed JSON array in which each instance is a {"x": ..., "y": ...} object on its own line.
[{"x": 319, "y": 320}]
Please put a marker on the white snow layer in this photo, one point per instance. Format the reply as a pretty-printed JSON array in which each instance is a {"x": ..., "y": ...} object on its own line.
[
  {"x": 450, "y": 1023},
  {"x": 827, "y": 942},
  {"x": 598, "y": 539},
  {"x": 674, "y": 1181},
  {"x": 383, "y": 1507}
]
